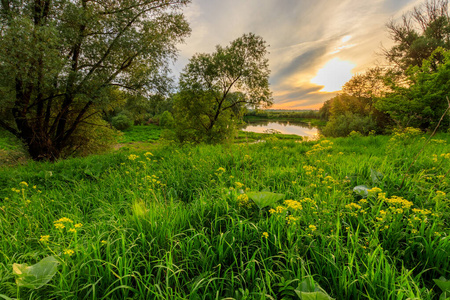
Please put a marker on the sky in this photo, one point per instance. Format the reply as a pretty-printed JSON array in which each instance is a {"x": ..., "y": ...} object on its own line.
[{"x": 315, "y": 45}]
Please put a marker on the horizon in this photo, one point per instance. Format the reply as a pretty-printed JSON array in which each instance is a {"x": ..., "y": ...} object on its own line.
[{"x": 309, "y": 64}]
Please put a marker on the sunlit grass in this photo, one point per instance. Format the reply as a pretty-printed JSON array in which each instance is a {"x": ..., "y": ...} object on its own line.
[{"x": 175, "y": 222}]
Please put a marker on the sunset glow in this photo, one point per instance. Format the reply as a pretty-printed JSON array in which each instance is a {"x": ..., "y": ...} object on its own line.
[
  {"x": 315, "y": 46},
  {"x": 334, "y": 75}
]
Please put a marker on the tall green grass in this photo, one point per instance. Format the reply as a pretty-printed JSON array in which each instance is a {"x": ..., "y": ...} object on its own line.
[{"x": 176, "y": 224}]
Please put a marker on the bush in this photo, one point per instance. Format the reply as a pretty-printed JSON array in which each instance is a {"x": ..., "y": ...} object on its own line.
[
  {"x": 166, "y": 120},
  {"x": 121, "y": 122},
  {"x": 343, "y": 125}
]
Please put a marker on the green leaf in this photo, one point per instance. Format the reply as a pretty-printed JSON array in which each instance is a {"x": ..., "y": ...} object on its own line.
[
  {"x": 309, "y": 290},
  {"x": 361, "y": 190},
  {"x": 37, "y": 275},
  {"x": 444, "y": 285},
  {"x": 376, "y": 176},
  {"x": 263, "y": 199}
]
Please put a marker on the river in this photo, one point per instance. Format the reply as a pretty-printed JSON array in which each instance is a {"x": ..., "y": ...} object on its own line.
[{"x": 284, "y": 127}]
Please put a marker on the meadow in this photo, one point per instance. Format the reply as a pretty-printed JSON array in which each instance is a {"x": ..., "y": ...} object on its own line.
[{"x": 344, "y": 218}]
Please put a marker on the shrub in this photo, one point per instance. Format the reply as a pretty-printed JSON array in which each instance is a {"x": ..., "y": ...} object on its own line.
[
  {"x": 121, "y": 122},
  {"x": 343, "y": 125},
  {"x": 166, "y": 120}
]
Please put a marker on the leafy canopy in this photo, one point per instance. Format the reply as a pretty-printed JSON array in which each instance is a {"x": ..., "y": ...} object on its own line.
[
  {"x": 214, "y": 88},
  {"x": 60, "y": 59}
]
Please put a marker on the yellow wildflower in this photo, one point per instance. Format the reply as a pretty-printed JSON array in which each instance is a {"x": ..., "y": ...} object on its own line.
[
  {"x": 78, "y": 225},
  {"x": 243, "y": 201},
  {"x": 59, "y": 226},
  {"x": 238, "y": 185},
  {"x": 132, "y": 157},
  {"x": 73, "y": 230},
  {"x": 312, "y": 227},
  {"x": 353, "y": 206},
  {"x": 23, "y": 183},
  {"x": 292, "y": 204},
  {"x": 291, "y": 219},
  {"x": 64, "y": 220},
  {"x": 69, "y": 252},
  {"x": 44, "y": 238},
  {"x": 265, "y": 235}
]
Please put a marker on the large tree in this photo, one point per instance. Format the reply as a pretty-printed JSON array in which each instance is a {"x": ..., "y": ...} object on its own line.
[
  {"x": 213, "y": 88},
  {"x": 59, "y": 60}
]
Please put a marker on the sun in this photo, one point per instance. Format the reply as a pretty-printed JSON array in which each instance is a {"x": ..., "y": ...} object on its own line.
[{"x": 334, "y": 74}]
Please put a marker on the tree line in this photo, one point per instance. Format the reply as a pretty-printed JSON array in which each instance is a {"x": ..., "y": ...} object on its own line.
[{"x": 411, "y": 91}]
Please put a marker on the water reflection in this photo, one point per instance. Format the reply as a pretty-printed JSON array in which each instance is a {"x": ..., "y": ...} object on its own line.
[{"x": 285, "y": 127}]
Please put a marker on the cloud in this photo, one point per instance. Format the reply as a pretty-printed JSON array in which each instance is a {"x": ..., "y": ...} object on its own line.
[{"x": 303, "y": 36}]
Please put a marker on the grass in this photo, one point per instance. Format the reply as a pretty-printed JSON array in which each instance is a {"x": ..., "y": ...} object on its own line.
[
  {"x": 178, "y": 223},
  {"x": 141, "y": 133}
]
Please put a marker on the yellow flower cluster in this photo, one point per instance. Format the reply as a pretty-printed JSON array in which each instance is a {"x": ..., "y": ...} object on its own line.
[
  {"x": 69, "y": 252},
  {"x": 375, "y": 190},
  {"x": 291, "y": 219},
  {"x": 132, "y": 157},
  {"x": 265, "y": 235},
  {"x": 44, "y": 238},
  {"x": 277, "y": 210},
  {"x": 352, "y": 206},
  {"x": 66, "y": 223},
  {"x": 244, "y": 201},
  {"x": 238, "y": 185},
  {"x": 23, "y": 184},
  {"x": 440, "y": 194},
  {"x": 294, "y": 205},
  {"x": 321, "y": 146},
  {"x": 397, "y": 201},
  {"x": 312, "y": 227}
]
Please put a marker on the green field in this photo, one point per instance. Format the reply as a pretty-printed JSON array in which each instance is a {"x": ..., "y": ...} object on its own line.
[{"x": 269, "y": 220}]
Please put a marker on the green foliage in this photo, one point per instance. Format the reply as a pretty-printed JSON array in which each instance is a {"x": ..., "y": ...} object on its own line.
[
  {"x": 63, "y": 60},
  {"x": 264, "y": 199},
  {"x": 121, "y": 122},
  {"x": 37, "y": 275},
  {"x": 141, "y": 133},
  {"x": 309, "y": 290},
  {"x": 206, "y": 109},
  {"x": 166, "y": 222},
  {"x": 348, "y": 122},
  {"x": 421, "y": 31},
  {"x": 166, "y": 120},
  {"x": 424, "y": 100},
  {"x": 444, "y": 285},
  {"x": 94, "y": 137}
]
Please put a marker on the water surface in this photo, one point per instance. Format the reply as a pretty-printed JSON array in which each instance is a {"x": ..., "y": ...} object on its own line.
[{"x": 284, "y": 127}]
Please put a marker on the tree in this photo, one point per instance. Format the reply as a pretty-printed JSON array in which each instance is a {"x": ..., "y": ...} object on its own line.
[
  {"x": 214, "y": 87},
  {"x": 59, "y": 60},
  {"x": 424, "y": 100},
  {"x": 419, "y": 33}
]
